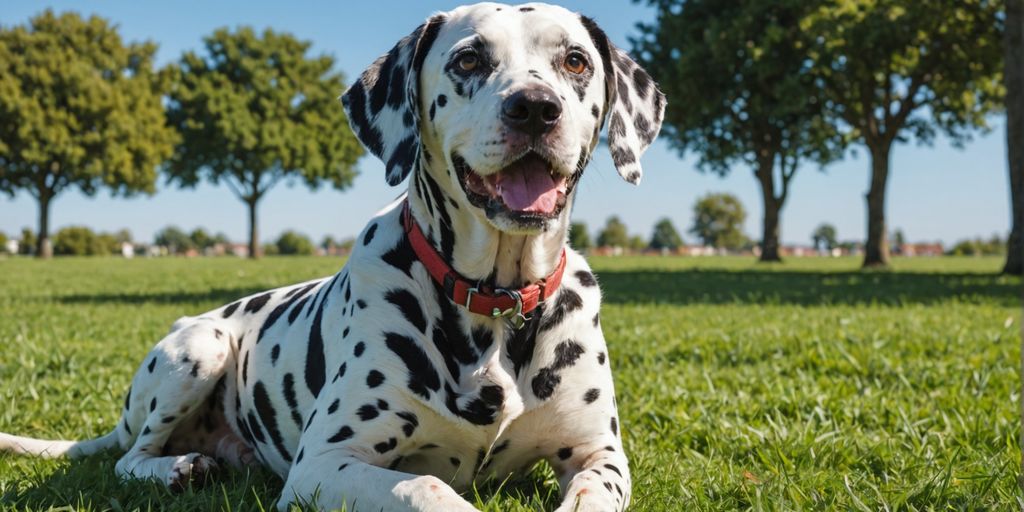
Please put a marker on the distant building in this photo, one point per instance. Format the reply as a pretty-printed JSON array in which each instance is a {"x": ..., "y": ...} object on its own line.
[
  {"x": 922, "y": 249},
  {"x": 12, "y": 246}
]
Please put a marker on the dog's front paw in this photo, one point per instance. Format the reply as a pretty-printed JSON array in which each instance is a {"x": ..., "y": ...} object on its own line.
[{"x": 192, "y": 468}]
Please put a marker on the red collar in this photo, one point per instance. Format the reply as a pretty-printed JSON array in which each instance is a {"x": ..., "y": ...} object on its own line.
[{"x": 492, "y": 302}]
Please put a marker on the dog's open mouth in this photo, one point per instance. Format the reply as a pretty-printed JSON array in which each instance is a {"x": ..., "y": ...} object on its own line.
[{"x": 528, "y": 188}]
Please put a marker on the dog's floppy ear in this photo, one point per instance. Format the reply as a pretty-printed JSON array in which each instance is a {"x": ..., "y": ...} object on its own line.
[
  {"x": 383, "y": 105},
  {"x": 634, "y": 107}
]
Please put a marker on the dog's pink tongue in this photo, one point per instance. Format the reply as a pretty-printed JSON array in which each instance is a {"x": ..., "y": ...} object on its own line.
[{"x": 527, "y": 186}]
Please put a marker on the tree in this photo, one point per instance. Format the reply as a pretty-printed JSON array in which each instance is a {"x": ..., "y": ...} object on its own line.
[
  {"x": 614, "y": 234},
  {"x": 78, "y": 241},
  {"x": 175, "y": 240},
  {"x": 1013, "y": 76},
  {"x": 718, "y": 221},
  {"x": 27, "y": 243},
  {"x": 824, "y": 237},
  {"x": 80, "y": 109},
  {"x": 328, "y": 243},
  {"x": 665, "y": 236},
  {"x": 3, "y": 243},
  {"x": 749, "y": 96},
  {"x": 898, "y": 239},
  {"x": 255, "y": 110},
  {"x": 201, "y": 239},
  {"x": 579, "y": 238},
  {"x": 291, "y": 243},
  {"x": 637, "y": 243},
  {"x": 896, "y": 69}
]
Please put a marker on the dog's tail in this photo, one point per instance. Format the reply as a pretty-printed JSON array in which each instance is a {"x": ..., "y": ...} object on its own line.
[{"x": 52, "y": 449}]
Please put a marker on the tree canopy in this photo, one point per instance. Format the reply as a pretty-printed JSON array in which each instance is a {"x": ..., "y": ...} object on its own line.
[
  {"x": 665, "y": 236},
  {"x": 824, "y": 237},
  {"x": 896, "y": 69},
  {"x": 750, "y": 98},
  {"x": 81, "y": 109},
  {"x": 254, "y": 110},
  {"x": 614, "y": 234},
  {"x": 718, "y": 221},
  {"x": 579, "y": 238},
  {"x": 292, "y": 243}
]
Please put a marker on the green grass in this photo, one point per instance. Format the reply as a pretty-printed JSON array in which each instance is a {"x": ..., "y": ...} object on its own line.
[{"x": 807, "y": 385}]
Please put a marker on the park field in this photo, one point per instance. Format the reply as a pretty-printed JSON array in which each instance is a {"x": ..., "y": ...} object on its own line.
[{"x": 807, "y": 385}]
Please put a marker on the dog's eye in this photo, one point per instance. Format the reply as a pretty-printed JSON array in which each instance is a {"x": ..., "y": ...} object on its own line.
[
  {"x": 468, "y": 62},
  {"x": 575, "y": 63}
]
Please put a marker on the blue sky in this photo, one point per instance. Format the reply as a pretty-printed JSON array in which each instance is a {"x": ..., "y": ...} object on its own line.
[{"x": 936, "y": 193}]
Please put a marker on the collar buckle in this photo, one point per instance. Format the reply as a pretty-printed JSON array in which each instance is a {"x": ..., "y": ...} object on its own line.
[{"x": 514, "y": 314}]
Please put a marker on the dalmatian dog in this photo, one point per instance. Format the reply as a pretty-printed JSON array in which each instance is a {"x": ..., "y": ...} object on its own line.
[{"x": 462, "y": 339}]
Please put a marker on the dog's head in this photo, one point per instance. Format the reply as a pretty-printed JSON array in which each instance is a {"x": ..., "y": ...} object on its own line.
[{"x": 513, "y": 99}]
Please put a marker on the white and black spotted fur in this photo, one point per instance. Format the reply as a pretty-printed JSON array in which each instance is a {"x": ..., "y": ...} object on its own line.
[{"x": 370, "y": 389}]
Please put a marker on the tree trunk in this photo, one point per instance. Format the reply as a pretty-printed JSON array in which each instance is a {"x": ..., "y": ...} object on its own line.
[
  {"x": 254, "y": 239},
  {"x": 772, "y": 205},
  {"x": 876, "y": 247},
  {"x": 44, "y": 249},
  {"x": 1014, "y": 80}
]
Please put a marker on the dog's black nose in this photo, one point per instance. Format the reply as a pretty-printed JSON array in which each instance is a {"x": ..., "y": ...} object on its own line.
[{"x": 533, "y": 111}]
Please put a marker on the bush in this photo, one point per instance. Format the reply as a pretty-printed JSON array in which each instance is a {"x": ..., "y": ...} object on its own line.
[
  {"x": 77, "y": 241},
  {"x": 292, "y": 243}
]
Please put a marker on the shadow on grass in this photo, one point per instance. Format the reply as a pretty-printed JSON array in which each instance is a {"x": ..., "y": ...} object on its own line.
[
  {"x": 91, "y": 484},
  {"x": 697, "y": 286},
  {"x": 804, "y": 288},
  {"x": 215, "y": 295}
]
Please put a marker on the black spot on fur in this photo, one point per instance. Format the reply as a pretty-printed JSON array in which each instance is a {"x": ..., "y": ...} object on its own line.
[
  {"x": 334, "y": 406},
  {"x": 433, "y": 110},
  {"x": 597, "y": 319},
  {"x": 613, "y": 468},
  {"x": 600, "y": 358},
  {"x": 345, "y": 432},
  {"x": 567, "y": 353},
  {"x": 455, "y": 462},
  {"x": 521, "y": 342},
  {"x": 288, "y": 389},
  {"x": 359, "y": 348},
  {"x": 564, "y": 453},
  {"x": 595, "y": 111},
  {"x": 386, "y": 446},
  {"x": 230, "y": 310},
  {"x": 409, "y": 306},
  {"x": 152, "y": 404},
  {"x": 383, "y": 404},
  {"x": 442, "y": 100},
  {"x": 128, "y": 398},
  {"x": 195, "y": 370},
  {"x": 591, "y": 395},
  {"x": 168, "y": 419},
  {"x": 146, "y": 431},
  {"x": 316, "y": 373},
  {"x": 544, "y": 383},
  {"x": 525, "y": 9},
  {"x": 370, "y": 231},
  {"x": 299, "y": 457},
  {"x": 297, "y": 310},
  {"x": 341, "y": 372},
  {"x": 310, "y": 420},
  {"x": 449, "y": 337},
  {"x": 274, "y": 354},
  {"x": 361, "y": 303},
  {"x": 422, "y": 375},
  {"x": 126, "y": 428},
  {"x": 411, "y": 422},
  {"x": 268, "y": 415},
  {"x": 245, "y": 368},
  {"x": 483, "y": 338},
  {"x": 615, "y": 426},
  {"x": 367, "y": 412},
  {"x": 256, "y": 303},
  {"x": 374, "y": 378},
  {"x": 567, "y": 302},
  {"x": 342, "y": 467},
  {"x": 152, "y": 365},
  {"x": 586, "y": 278},
  {"x": 401, "y": 256}
]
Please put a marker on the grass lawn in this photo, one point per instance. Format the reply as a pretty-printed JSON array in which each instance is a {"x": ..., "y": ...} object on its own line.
[{"x": 805, "y": 385}]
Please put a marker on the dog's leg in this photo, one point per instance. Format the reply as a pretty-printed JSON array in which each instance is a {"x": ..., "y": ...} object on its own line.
[
  {"x": 597, "y": 478},
  {"x": 335, "y": 481},
  {"x": 175, "y": 380}
]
